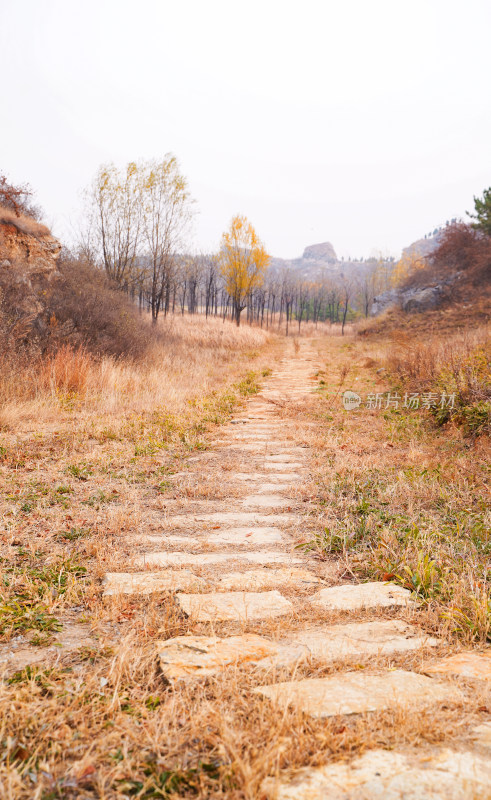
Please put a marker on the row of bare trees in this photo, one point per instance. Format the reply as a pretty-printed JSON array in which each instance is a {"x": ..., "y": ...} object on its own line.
[
  {"x": 137, "y": 224},
  {"x": 281, "y": 298}
]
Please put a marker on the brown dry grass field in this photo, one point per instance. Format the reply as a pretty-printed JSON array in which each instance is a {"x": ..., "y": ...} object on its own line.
[{"x": 96, "y": 455}]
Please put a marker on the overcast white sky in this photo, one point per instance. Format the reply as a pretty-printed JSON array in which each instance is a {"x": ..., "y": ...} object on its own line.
[{"x": 365, "y": 123}]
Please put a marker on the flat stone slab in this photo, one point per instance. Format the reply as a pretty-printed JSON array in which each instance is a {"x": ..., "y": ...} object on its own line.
[
  {"x": 284, "y": 477},
  {"x": 196, "y": 656},
  {"x": 350, "y": 597},
  {"x": 283, "y": 465},
  {"x": 387, "y": 775},
  {"x": 148, "y": 582},
  {"x": 357, "y": 693},
  {"x": 19, "y": 653},
  {"x": 169, "y": 538},
  {"x": 255, "y": 579},
  {"x": 232, "y": 518},
  {"x": 251, "y": 435},
  {"x": 266, "y": 501},
  {"x": 237, "y": 606},
  {"x": 271, "y": 488},
  {"x": 359, "y": 639},
  {"x": 465, "y": 665},
  {"x": 284, "y": 458},
  {"x": 255, "y": 426},
  {"x": 256, "y": 477},
  {"x": 248, "y": 447},
  {"x": 171, "y": 559},
  {"x": 262, "y": 534}
]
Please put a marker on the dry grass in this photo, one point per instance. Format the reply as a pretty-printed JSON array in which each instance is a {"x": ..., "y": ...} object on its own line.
[
  {"x": 87, "y": 450},
  {"x": 458, "y": 365},
  {"x": 189, "y": 362},
  {"x": 96, "y": 467},
  {"x": 447, "y": 320},
  {"x": 23, "y": 223},
  {"x": 309, "y": 330},
  {"x": 403, "y": 497}
]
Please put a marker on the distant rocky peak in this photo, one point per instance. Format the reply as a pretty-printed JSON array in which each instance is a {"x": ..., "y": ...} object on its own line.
[{"x": 320, "y": 252}]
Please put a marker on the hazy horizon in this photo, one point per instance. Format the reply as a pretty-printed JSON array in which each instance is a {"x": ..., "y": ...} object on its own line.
[{"x": 366, "y": 125}]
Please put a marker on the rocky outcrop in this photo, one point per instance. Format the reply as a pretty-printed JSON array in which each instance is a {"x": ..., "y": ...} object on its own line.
[
  {"x": 317, "y": 260},
  {"x": 423, "y": 299},
  {"x": 422, "y": 248},
  {"x": 28, "y": 256},
  {"x": 414, "y": 300},
  {"x": 385, "y": 300},
  {"x": 320, "y": 252}
]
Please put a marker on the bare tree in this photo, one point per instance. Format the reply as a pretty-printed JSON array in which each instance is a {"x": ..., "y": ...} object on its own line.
[
  {"x": 347, "y": 288},
  {"x": 115, "y": 216},
  {"x": 165, "y": 218}
]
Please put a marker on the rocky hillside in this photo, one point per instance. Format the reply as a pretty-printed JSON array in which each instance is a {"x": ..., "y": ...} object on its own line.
[
  {"x": 28, "y": 265},
  {"x": 422, "y": 248}
]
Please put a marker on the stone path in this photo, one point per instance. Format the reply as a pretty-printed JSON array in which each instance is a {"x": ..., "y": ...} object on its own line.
[{"x": 233, "y": 563}]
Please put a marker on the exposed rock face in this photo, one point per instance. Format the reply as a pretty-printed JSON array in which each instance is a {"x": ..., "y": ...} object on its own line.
[
  {"x": 415, "y": 300},
  {"x": 28, "y": 256},
  {"x": 385, "y": 300},
  {"x": 421, "y": 299},
  {"x": 320, "y": 252},
  {"x": 317, "y": 260},
  {"x": 422, "y": 248}
]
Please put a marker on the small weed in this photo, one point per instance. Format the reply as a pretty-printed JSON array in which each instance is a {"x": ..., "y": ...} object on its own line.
[
  {"x": 36, "y": 674},
  {"x": 329, "y": 542},
  {"x": 100, "y": 498},
  {"x": 41, "y": 640},
  {"x": 92, "y": 654},
  {"x": 19, "y": 614},
  {"x": 74, "y": 533},
  {"x": 424, "y": 579},
  {"x": 82, "y": 472},
  {"x": 248, "y": 385},
  {"x": 164, "y": 783},
  {"x": 476, "y": 621},
  {"x": 107, "y": 435}
]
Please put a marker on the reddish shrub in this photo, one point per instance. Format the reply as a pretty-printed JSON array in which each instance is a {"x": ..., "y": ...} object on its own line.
[
  {"x": 67, "y": 370},
  {"x": 462, "y": 259}
]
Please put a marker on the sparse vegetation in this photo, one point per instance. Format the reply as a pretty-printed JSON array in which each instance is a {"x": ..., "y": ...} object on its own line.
[
  {"x": 404, "y": 499},
  {"x": 108, "y": 434},
  {"x": 245, "y": 518},
  {"x": 457, "y": 368}
]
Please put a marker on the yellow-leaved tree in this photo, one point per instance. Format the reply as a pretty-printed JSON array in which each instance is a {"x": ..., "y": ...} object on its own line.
[
  {"x": 408, "y": 264},
  {"x": 243, "y": 262}
]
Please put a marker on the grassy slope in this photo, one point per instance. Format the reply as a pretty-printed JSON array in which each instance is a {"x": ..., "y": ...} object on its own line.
[{"x": 406, "y": 498}]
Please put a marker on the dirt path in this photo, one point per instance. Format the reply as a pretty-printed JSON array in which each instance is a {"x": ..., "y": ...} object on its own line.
[{"x": 257, "y": 602}]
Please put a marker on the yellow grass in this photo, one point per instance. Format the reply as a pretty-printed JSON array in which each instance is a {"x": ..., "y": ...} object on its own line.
[
  {"x": 88, "y": 463},
  {"x": 196, "y": 357},
  {"x": 403, "y": 496}
]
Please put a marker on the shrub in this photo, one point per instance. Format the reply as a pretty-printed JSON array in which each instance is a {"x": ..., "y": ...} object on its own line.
[
  {"x": 85, "y": 310},
  {"x": 67, "y": 370},
  {"x": 457, "y": 365},
  {"x": 463, "y": 256}
]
